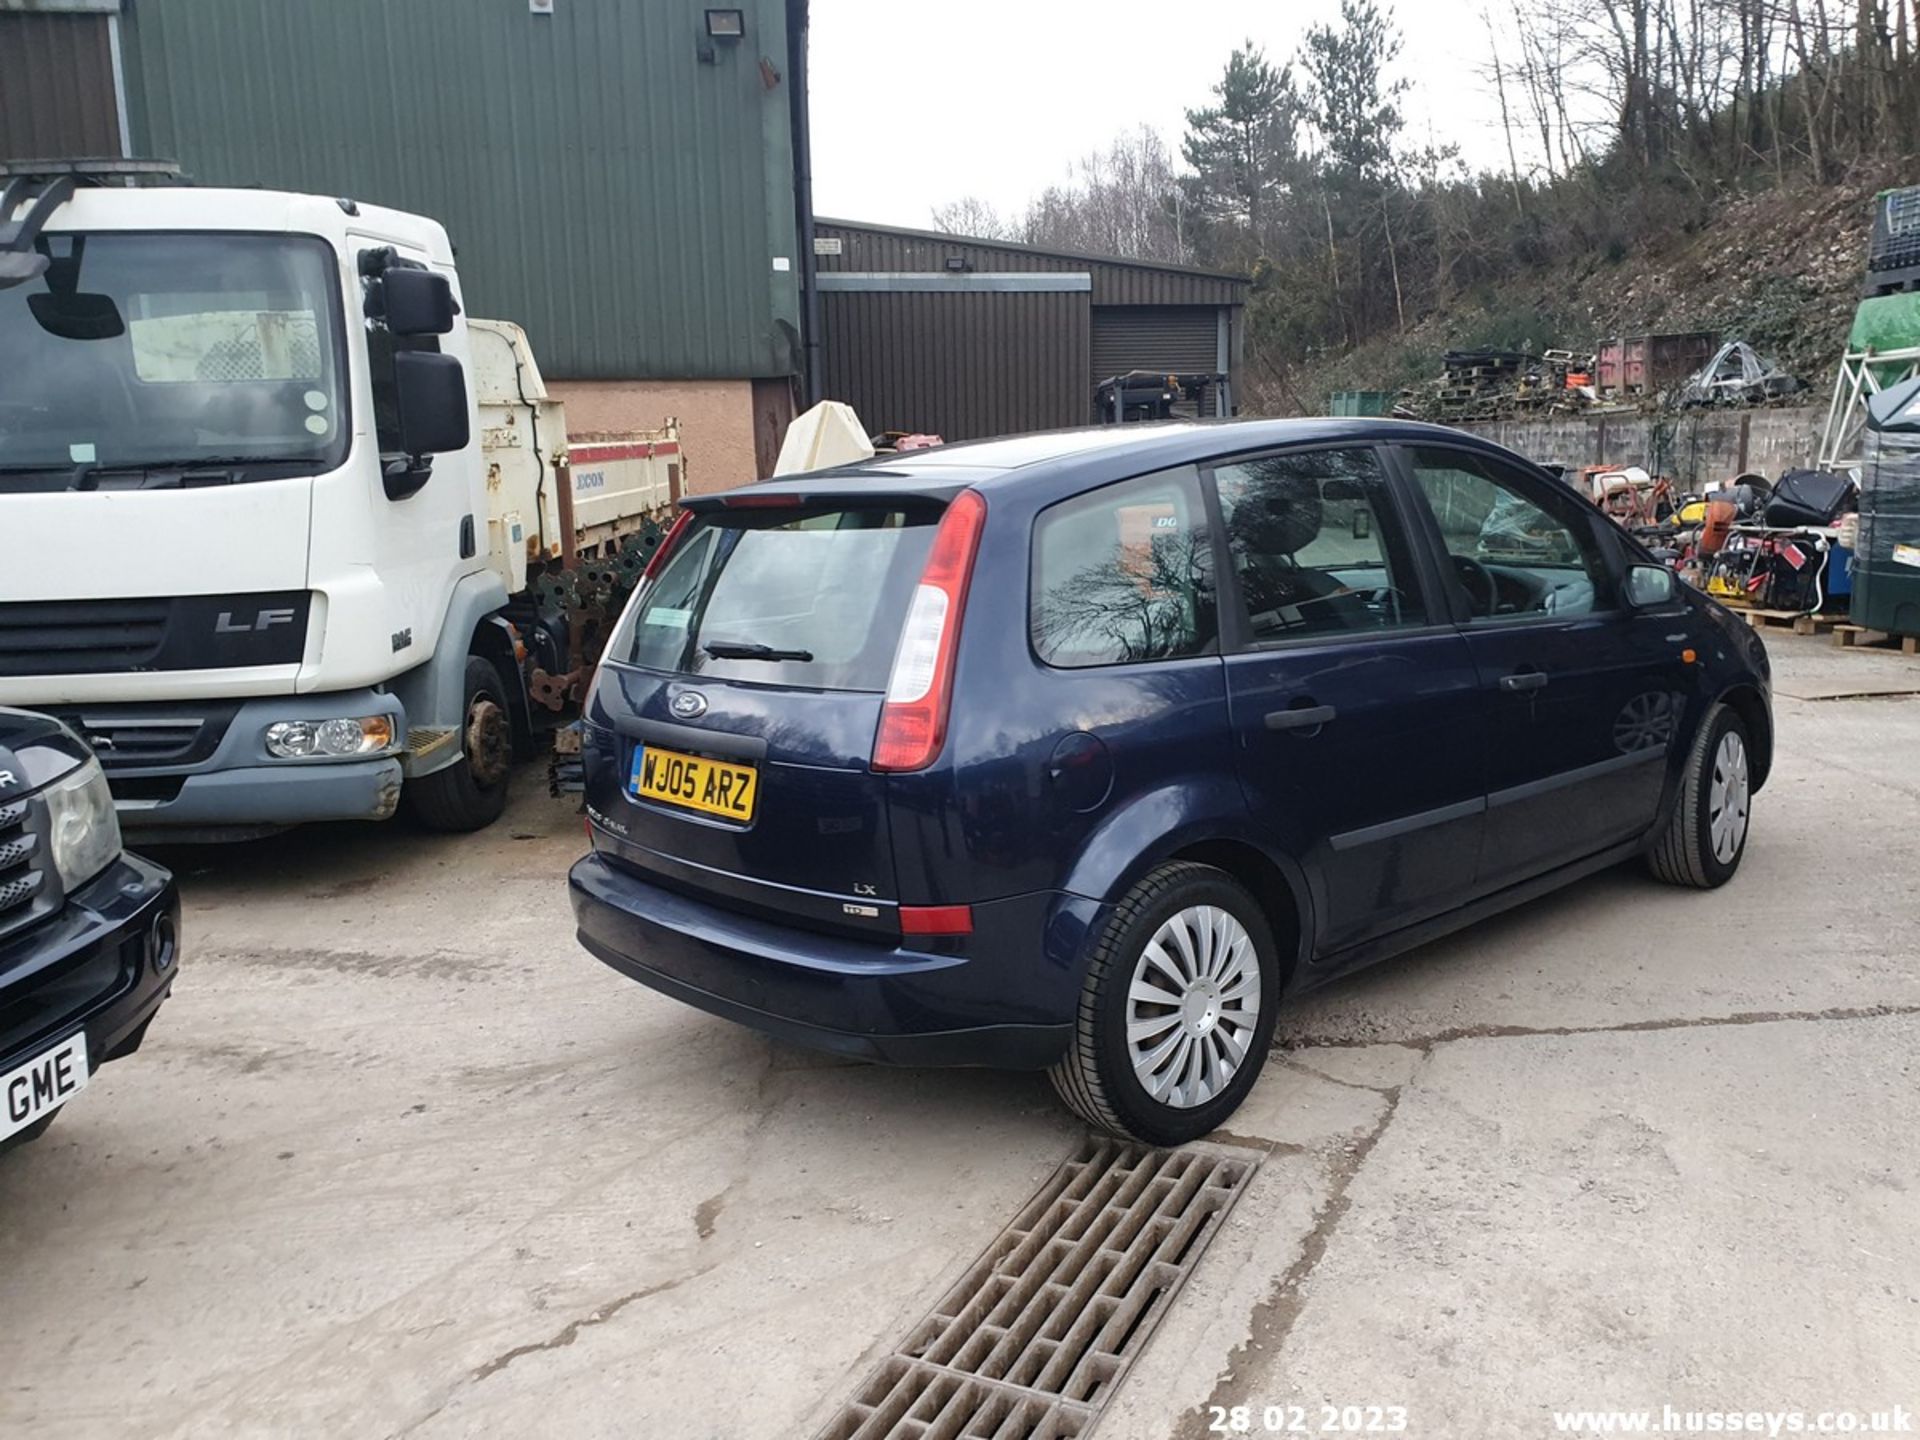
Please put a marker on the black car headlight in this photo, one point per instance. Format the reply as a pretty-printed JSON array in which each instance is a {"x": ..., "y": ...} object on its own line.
[{"x": 84, "y": 829}]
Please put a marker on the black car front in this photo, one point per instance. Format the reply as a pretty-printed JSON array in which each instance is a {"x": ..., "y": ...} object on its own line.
[{"x": 89, "y": 935}]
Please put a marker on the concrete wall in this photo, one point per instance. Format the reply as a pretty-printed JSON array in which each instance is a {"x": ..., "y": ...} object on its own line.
[
  {"x": 717, "y": 425},
  {"x": 1694, "y": 447}
]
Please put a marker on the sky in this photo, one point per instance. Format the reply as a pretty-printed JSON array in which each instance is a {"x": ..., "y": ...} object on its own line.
[{"x": 916, "y": 103}]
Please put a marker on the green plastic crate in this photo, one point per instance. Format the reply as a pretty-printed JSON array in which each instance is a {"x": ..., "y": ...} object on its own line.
[{"x": 1360, "y": 402}]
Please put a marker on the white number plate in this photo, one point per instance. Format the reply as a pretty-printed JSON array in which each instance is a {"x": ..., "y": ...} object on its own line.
[{"x": 44, "y": 1083}]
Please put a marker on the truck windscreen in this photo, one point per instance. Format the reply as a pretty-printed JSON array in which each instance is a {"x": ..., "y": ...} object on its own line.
[{"x": 169, "y": 353}]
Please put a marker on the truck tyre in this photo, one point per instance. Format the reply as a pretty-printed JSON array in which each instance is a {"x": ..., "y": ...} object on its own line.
[
  {"x": 471, "y": 793},
  {"x": 1705, "y": 833},
  {"x": 1177, "y": 1009}
]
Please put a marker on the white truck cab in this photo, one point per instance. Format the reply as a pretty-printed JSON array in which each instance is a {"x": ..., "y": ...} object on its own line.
[{"x": 251, "y": 549}]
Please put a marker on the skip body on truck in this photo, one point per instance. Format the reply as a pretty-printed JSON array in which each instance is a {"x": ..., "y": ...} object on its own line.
[{"x": 288, "y": 532}]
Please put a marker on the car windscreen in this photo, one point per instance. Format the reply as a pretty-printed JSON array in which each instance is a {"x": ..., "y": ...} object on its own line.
[
  {"x": 180, "y": 349},
  {"x": 811, "y": 598}
]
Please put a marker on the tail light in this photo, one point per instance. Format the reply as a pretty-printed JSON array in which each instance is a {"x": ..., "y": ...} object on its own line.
[
  {"x": 936, "y": 920},
  {"x": 657, "y": 561},
  {"x": 913, "y": 722}
]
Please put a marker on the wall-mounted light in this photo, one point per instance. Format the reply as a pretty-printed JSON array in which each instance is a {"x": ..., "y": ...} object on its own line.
[{"x": 726, "y": 24}]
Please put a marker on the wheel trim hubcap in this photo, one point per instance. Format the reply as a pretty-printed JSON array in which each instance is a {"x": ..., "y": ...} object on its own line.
[
  {"x": 1728, "y": 799},
  {"x": 1193, "y": 1006}
]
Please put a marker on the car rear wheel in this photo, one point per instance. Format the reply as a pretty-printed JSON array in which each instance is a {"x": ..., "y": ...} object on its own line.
[
  {"x": 471, "y": 793},
  {"x": 1706, "y": 829},
  {"x": 1177, "y": 1010}
]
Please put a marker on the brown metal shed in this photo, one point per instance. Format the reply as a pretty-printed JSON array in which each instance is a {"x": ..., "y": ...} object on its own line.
[
  {"x": 969, "y": 338},
  {"x": 60, "y": 91}
]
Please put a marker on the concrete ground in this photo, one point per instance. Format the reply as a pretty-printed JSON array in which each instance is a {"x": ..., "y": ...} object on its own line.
[{"x": 399, "y": 1159}]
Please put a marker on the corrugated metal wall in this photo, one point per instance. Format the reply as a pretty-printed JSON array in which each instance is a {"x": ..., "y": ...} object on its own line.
[
  {"x": 959, "y": 365},
  {"x": 622, "y": 200},
  {"x": 1115, "y": 282},
  {"x": 1183, "y": 339},
  {"x": 56, "y": 86}
]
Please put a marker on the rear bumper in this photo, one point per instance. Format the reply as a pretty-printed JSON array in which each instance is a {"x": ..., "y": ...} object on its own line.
[
  {"x": 101, "y": 965},
  {"x": 1010, "y": 1004}
]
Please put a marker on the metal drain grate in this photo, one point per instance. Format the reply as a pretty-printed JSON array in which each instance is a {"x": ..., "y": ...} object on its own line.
[{"x": 1035, "y": 1337}]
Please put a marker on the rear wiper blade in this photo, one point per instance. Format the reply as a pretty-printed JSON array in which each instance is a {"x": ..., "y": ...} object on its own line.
[{"x": 743, "y": 650}]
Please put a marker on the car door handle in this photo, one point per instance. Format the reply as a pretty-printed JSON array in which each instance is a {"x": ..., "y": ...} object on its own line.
[
  {"x": 1307, "y": 717},
  {"x": 1525, "y": 680}
]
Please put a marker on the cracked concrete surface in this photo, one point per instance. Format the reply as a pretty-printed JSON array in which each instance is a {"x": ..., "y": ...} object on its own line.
[{"x": 398, "y": 1159}]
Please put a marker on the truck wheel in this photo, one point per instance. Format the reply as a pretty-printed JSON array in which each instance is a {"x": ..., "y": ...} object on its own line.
[
  {"x": 1177, "y": 1010},
  {"x": 470, "y": 793},
  {"x": 1706, "y": 828}
]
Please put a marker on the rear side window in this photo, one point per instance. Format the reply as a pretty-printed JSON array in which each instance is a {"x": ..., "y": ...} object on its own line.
[
  {"x": 810, "y": 598},
  {"x": 1124, "y": 573}
]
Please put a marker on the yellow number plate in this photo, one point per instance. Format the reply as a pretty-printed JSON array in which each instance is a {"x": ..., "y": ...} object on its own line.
[{"x": 717, "y": 787}]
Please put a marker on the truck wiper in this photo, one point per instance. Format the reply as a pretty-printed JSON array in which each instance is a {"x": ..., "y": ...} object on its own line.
[{"x": 743, "y": 650}]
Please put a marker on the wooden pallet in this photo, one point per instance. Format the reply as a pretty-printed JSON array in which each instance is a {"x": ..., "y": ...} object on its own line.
[
  {"x": 1858, "y": 637},
  {"x": 1794, "y": 620}
]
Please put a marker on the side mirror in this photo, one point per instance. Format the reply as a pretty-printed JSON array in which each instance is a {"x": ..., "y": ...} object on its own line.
[
  {"x": 1896, "y": 409},
  {"x": 431, "y": 394},
  {"x": 430, "y": 401},
  {"x": 1650, "y": 586},
  {"x": 417, "y": 302}
]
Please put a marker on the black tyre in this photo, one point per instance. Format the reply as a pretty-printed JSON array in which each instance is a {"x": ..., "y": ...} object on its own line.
[
  {"x": 470, "y": 793},
  {"x": 1177, "y": 1011},
  {"x": 31, "y": 1133},
  {"x": 1705, "y": 833}
]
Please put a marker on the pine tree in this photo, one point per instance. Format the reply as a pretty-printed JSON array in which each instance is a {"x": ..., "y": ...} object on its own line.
[
  {"x": 1243, "y": 147},
  {"x": 1353, "y": 109}
]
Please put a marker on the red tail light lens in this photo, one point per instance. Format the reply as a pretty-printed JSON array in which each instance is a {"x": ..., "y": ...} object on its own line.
[
  {"x": 913, "y": 722},
  {"x": 657, "y": 561},
  {"x": 936, "y": 919}
]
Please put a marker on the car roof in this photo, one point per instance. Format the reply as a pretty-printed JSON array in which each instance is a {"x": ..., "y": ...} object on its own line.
[{"x": 1095, "y": 453}]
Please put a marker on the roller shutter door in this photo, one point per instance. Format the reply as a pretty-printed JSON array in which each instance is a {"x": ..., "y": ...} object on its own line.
[{"x": 1178, "y": 339}]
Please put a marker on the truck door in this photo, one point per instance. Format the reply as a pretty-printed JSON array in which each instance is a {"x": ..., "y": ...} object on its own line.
[{"x": 420, "y": 543}]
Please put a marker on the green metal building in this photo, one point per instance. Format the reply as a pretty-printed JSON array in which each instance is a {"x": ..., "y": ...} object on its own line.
[{"x": 624, "y": 178}]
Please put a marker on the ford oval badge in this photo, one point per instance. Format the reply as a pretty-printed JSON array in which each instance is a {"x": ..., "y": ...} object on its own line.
[{"x": 689, "y": 705}]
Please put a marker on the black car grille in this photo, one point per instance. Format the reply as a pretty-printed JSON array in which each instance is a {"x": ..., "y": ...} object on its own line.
[
  {"x": 73, "y": 637},
  {"x": 25, "y": 885}
]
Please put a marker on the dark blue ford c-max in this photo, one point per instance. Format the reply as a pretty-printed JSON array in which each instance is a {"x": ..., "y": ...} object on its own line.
[{"x": 1084, "y": 750}]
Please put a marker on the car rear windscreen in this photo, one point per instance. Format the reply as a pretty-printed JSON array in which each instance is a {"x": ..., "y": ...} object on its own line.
[{"x": 811, "y": 598}]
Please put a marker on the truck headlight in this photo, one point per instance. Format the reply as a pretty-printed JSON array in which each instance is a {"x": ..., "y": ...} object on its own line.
[
  {"x": 84, "y": 829},
  {"x": 306, "y": 739}
]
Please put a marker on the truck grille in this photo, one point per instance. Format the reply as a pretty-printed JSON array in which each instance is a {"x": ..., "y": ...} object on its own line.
[
  {"x": 182, "y": 632},
  {"x": 137, "y": 737},
  {"x": 70, "y": 637},
  {"x": 24, "y": 890}
]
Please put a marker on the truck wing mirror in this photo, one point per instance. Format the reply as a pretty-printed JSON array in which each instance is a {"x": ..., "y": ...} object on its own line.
[
  {"x": 432, "y": 401},
  {"x": 1896, "y": 409},
  {"x": 417, "y": 302}
]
